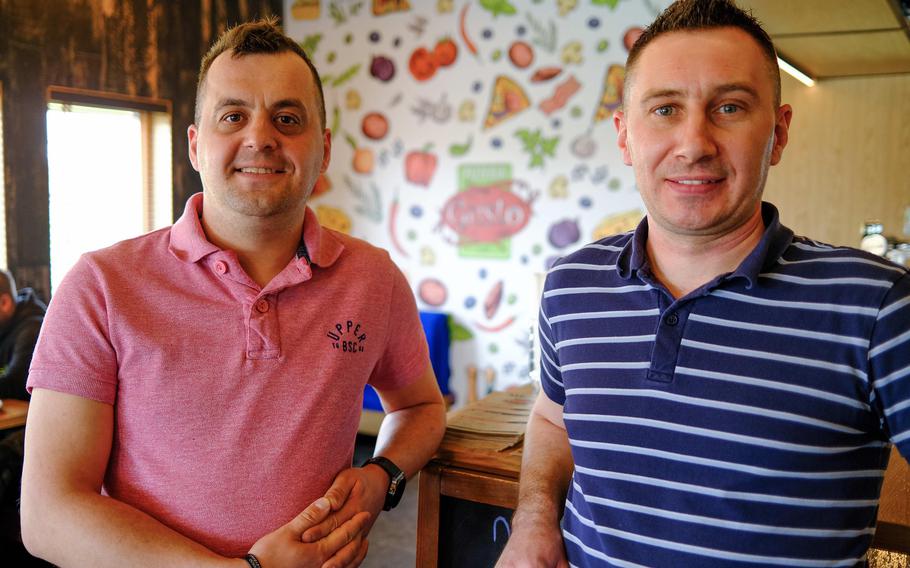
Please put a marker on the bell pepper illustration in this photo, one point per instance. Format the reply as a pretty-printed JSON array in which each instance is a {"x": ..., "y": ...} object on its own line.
[{"x": 420, "y": 165}]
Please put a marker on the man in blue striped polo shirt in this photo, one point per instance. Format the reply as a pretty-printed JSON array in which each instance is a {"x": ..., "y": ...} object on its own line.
[{"x": 716, "y": 390}]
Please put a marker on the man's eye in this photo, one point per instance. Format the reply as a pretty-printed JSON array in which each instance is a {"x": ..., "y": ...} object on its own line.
[
  {"x": 233, "y": 117},
  {"x": 287, "y": 119},
  {"x": 729, "y": 108},
  {"x": 665, "y": 110}
]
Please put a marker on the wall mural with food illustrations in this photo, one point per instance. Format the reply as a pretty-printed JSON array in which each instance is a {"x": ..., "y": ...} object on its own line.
[{"x": 473, "y": 140}]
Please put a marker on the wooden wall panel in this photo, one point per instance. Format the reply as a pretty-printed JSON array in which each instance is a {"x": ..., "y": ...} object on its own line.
[
  {"x": 131, "y": 47},
  {"x": 847, "y": 160}
]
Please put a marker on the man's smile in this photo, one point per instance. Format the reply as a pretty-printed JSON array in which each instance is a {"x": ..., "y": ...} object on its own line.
[{"x": 256, "y": 170}]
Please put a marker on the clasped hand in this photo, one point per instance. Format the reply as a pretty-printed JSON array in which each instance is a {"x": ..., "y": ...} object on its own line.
[{"x": 332, "y": 531}]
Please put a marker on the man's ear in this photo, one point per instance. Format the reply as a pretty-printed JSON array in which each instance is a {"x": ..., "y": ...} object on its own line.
[
  {"x": 781, "y": 133},
  {"x": 192, "y": 134},
  {"x": 326, "y": 150},
  {"x": 622, "y": 138}
]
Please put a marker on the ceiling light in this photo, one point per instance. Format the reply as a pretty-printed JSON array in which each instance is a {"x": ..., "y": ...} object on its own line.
[{"x": 796, "y": 73}]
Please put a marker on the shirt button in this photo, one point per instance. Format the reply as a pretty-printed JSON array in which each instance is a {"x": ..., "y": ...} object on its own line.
[
  {"x": 262, "y": 306},
  {"x": 672, "y": 319},
  {"x": 221, "y": 267}
]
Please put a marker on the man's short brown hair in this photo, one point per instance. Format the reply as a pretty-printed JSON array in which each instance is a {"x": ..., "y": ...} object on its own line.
[
  {"x": 691, "y": 15},
  {"x": 260, "y": 37}
]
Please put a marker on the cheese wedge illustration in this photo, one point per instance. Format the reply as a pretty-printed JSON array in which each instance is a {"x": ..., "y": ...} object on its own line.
[{"x": 612, "y": 95}]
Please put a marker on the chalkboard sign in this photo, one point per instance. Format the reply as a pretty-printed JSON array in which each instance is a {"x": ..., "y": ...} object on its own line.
[{"x": 471, "y": 534}]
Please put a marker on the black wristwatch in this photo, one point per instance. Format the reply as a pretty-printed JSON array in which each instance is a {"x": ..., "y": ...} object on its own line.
[{"x": 397, "y": 480}]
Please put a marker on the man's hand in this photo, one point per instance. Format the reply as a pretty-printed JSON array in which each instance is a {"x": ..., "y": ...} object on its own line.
[
  {"x": 355, "y": 490},
  {"x": 534, "y": 543},
  {"x": 546, "y": 469},
  {"x": 344, "y": 545}
]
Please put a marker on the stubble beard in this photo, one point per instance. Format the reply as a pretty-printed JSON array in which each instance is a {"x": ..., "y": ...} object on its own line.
[{"x": 259, "y": 204}]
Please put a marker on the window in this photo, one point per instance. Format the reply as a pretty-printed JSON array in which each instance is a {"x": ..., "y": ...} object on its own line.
[{"x": 109, "y": 172}]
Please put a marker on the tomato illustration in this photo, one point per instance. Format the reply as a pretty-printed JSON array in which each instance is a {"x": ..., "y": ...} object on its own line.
[
  {"x": 445, "y": 52},
  {"x": 422, "y": 64}
]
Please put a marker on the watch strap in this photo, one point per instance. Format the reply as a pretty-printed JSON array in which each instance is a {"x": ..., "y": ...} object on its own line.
[{"x": 396, "y": 480}]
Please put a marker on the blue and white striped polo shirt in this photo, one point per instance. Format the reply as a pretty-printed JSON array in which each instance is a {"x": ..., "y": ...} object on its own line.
[{"x": 746, "y": 424}]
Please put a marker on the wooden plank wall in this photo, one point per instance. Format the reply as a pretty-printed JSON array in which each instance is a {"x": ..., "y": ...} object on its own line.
[
  {"x": 847, "y": 158},
  {"x": 146, "y": 48}
]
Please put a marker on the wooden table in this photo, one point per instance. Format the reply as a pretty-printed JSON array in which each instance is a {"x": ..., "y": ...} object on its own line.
[
  {"x": 893, "y": 531},
  {"x": 13, "y": 413},
  {"x": 469, "y": 470},
  {"x": 464, "y": 468}
]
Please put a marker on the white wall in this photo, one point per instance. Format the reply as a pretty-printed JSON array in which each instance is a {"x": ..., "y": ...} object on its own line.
[{"x": 577, "y": 187}]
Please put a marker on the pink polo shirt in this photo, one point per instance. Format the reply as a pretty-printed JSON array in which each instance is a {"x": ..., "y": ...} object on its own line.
[{"x": 235, "y": 405}]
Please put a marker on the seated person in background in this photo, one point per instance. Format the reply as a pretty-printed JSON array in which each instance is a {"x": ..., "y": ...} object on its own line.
[
  {"x": 716, "y": 391},
  {"x": 21, "y": 314},
  {"x": 197, "y": 390}
]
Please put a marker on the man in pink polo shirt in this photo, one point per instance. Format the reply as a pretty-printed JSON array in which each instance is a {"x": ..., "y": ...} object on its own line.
[{"x": 196, "y": 391}]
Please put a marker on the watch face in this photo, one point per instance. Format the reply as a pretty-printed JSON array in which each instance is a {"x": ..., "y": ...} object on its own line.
[
  {"x": 397, "y": 480},
  {"x": 396, "y": 490},
  {"x": 876, "y": 244}
]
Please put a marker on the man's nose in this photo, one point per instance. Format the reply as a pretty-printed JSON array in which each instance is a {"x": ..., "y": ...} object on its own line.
[
  {"x": 696, "y": 138},
  {"x": 261, "y": 134}
]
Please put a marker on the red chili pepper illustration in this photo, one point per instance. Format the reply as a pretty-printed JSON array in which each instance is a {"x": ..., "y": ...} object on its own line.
[
  {"x": 464, "y": 34},
  {"x": 495, "y": 328}
]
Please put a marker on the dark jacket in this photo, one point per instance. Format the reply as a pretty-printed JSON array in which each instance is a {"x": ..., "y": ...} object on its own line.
[{"x": 17, "y": 342}]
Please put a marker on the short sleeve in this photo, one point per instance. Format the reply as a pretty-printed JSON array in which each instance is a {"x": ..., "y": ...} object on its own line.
[
  {"x": 406, "y": 355},
  {"x": 550, "y": 374},
  {"x": 74, "y": 354},
  {"x": 889, "y": 363}
]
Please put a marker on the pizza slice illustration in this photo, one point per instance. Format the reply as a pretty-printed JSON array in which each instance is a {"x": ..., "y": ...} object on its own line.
[{"x": 508, "y": 100}]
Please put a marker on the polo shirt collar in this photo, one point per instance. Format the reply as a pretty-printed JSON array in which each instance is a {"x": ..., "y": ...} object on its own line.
[
  {"x": 633, "y": 256},
  {"x": 188, "y": 243},
  {"x": 319, "y": 246},
  {"x": 774, "y": 241}
]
